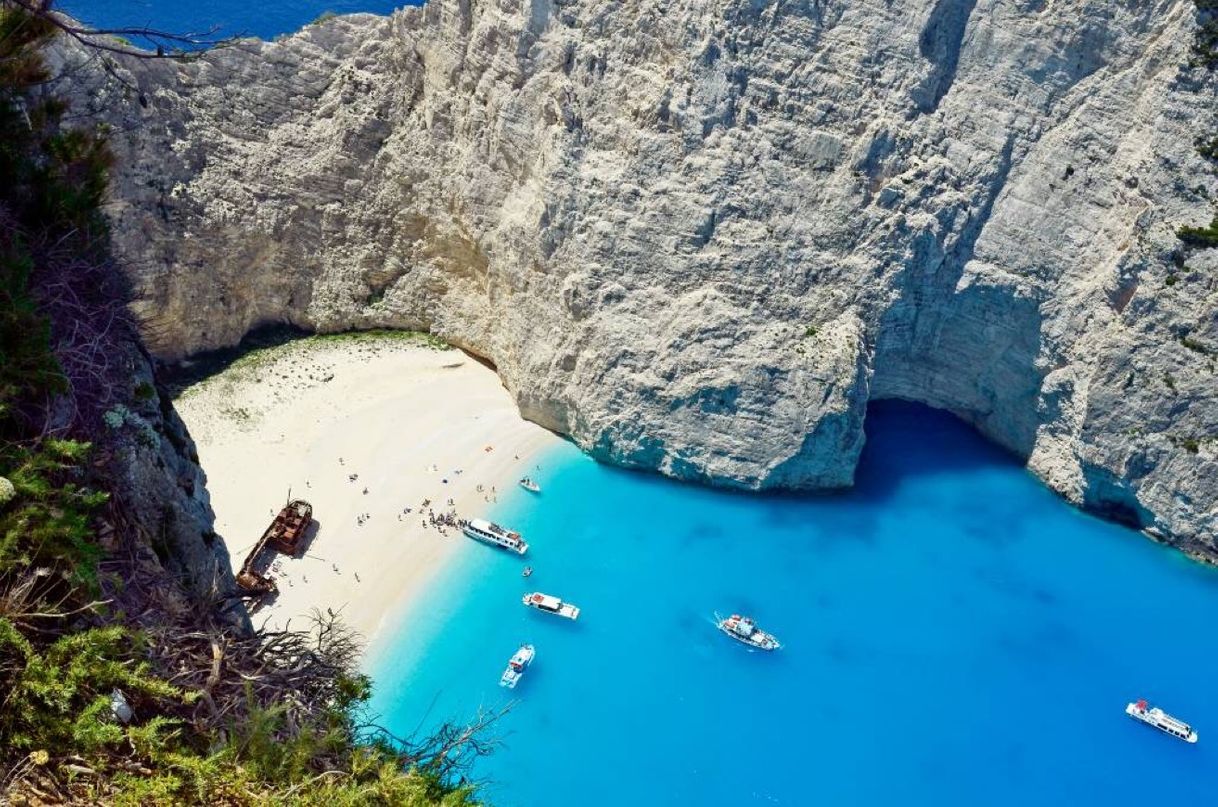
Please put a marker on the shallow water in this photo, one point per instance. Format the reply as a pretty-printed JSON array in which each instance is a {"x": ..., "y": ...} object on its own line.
[
  {"x": 233, "y": 17},
  {"x": 954, "y": 634}
]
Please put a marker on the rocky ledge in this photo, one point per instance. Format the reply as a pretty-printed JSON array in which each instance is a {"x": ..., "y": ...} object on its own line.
[{"x": 700, "y": 235}]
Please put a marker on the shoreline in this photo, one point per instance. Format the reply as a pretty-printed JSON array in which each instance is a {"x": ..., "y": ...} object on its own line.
[{"x": 367, "y": 427}]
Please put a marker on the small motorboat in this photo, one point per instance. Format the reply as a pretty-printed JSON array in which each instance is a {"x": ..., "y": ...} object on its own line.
[
  {"x": 516, "y": 666},
  {"x": 528, "y": 484},
  {"x": 551, "y": 605},
  {"x": 528, "y": 570},
  {"x": 743, "y": 629}
]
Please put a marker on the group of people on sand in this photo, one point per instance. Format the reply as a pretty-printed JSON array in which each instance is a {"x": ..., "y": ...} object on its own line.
[{"x": 441, "y": 521}]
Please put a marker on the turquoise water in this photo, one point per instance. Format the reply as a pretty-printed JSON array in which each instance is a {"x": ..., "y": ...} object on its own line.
[
  {"x": 234, "y": 17},
  {"x": 954, "y": 634}
]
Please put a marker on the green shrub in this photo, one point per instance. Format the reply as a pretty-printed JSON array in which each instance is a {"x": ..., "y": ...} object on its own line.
[
  {"x": 1205, "y": 46},
  {"x": 1194, "y": 345},
  {"x": 48, "y": 525},
  {"x": 1200, "y": 237},
  {"x": 27, "y": 365},
  {"x": 1208, "y": 148}
]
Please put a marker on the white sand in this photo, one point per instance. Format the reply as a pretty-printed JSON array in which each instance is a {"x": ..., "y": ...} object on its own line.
[{"x": 401, "y": 415}]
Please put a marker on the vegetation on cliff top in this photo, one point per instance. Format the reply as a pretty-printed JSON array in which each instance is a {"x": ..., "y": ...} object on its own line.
[
  {"x": 1205, "y": 55},
  {"x": 1201, "y": 237},
  {"x": 116, "y": 686},
  {"x": 1205, "y": 48}
]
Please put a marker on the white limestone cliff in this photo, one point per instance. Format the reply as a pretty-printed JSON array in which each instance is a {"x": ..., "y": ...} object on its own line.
[{"x": 700, "y": 235}]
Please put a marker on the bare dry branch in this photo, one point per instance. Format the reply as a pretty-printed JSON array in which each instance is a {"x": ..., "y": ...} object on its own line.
[{"x": 164, "y": 44}]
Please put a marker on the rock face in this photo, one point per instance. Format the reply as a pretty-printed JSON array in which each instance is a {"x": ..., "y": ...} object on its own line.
[
  {"x": 161, "y": 491},
  {"x": 700, "y": 235}
]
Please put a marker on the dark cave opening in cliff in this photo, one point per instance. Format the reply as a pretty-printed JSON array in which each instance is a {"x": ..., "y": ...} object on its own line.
[{"x": 916, "y": 439}]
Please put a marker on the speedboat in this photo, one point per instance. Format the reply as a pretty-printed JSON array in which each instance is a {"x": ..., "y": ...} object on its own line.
[
  {"x": 743, "y": 629},
  {"x": 529, "y": 485},
  {"x": 516, "y": 666},
  {"x": 551, "y": 605}
]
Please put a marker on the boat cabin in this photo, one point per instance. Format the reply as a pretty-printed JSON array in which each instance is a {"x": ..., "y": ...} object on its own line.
[
  {"x": 545, "y": 602},
  {"x": 286, "y": 532}
]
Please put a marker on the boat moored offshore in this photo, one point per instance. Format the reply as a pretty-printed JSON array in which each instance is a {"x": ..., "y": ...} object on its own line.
[
  {"x": 529, "y": 485},
  {"x": 1154, "y": 716},
  {"x": 490, "y": 533},
  {"x": 744, "y": 629},
  {"x": 551, "y": 605},
  {"x": 519, "y": 662}
]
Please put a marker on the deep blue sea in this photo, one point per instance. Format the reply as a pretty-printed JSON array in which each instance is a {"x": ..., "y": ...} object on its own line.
[
  {"x": 954, "y": 634},
  {"x": 265, "y": 19}
]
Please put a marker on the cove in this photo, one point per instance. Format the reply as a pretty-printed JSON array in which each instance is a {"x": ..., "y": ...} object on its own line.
[
  {"x": 265, "y": 20},
  {"x": 954, "y": 634}
]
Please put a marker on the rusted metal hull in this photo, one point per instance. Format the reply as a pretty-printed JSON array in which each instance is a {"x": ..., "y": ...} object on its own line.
[{"x": 286, "y": 535}]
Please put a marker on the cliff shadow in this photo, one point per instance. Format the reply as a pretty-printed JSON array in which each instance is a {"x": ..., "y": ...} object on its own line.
[{"x": 178, "y": 376}]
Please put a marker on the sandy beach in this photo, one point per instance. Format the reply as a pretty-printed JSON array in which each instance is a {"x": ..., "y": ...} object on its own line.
[{"x": 366, "y": 428}]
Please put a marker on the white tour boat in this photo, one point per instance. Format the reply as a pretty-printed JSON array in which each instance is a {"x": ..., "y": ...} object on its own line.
[
  {"x": 489, "y": 533},
  {"x": 516, "y": 666},
  {"x": 1161, "y": 720},
  {"x": 529, "y": 485},
  {"x": 551, "y": 605},
  {"x": 744, "y": 629}
]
